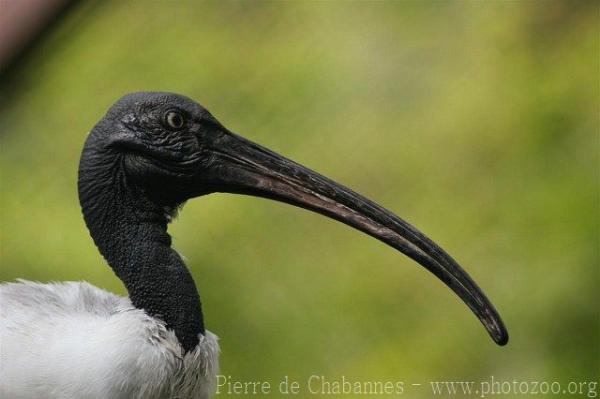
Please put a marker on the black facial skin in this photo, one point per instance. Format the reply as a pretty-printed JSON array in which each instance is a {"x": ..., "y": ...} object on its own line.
[{"x": 153, "y": 151}]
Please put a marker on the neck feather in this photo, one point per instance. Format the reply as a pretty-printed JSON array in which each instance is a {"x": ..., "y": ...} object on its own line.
[{"x": 131, "y": 233}]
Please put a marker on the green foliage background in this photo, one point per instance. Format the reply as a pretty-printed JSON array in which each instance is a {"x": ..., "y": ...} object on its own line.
[{"x": 476, "y": 121}]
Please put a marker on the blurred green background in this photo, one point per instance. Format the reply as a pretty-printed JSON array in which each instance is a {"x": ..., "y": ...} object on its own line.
[{"x": 475, "y": 121}]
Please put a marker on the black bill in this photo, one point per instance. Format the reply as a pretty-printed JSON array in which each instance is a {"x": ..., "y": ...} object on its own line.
[{"x": 241, "y": 166}]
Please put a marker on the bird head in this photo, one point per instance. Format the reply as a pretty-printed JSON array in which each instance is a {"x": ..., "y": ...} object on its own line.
[{"x": 173, "y": 150}]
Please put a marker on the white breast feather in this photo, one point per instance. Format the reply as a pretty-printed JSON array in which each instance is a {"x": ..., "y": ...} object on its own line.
[{"x": 74, "y": 340}]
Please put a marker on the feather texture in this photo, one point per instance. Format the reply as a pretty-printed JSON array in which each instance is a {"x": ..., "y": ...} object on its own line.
[{"x": 74, "y": 340}]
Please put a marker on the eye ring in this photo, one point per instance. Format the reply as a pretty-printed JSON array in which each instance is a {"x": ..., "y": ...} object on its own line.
[{"x": 174, "y": 120}]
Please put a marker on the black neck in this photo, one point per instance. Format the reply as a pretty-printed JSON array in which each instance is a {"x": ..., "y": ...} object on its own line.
[{"x": 131, "y": 233}]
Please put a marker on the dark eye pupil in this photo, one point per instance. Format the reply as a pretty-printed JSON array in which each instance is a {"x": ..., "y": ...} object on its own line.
[{"x": 174, "y": 120}]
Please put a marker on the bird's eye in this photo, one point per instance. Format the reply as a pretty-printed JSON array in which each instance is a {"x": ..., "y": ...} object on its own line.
[{"x": 174, "y": 120}]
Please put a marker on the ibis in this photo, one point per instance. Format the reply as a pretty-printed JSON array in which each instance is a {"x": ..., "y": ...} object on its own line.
[{"x": 150, "y": 153}]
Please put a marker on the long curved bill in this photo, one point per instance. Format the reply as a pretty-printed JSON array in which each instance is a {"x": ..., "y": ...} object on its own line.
[{"x": 243, "y": 167}]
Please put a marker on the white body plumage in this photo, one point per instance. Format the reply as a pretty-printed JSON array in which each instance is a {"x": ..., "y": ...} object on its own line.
[{"x": 74, "y": 340}]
